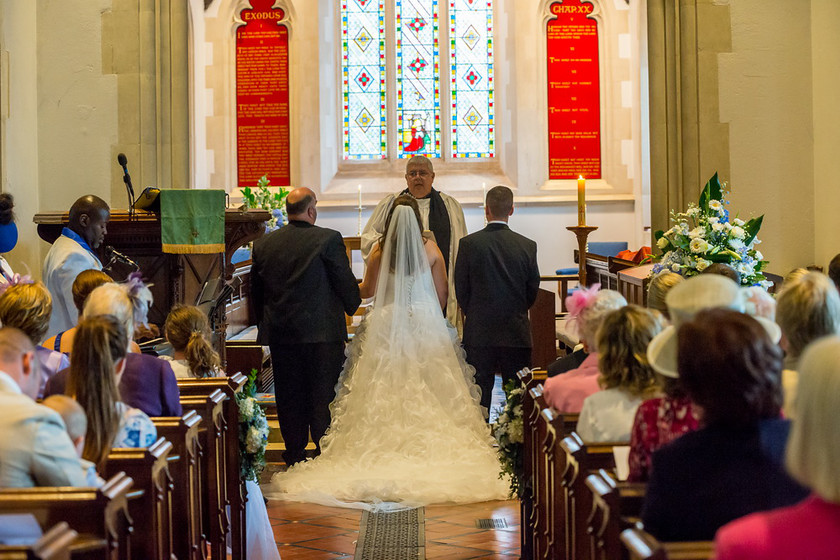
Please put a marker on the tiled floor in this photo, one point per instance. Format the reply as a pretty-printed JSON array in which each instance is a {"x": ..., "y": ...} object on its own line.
[{"x": 313, "y": 532}]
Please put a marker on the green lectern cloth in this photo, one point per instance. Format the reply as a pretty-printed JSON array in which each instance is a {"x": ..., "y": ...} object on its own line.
[{"x": 192, "y": 220}]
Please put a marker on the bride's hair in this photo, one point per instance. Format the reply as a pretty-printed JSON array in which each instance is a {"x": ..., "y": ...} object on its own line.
[{"x": 402, "y": 200}]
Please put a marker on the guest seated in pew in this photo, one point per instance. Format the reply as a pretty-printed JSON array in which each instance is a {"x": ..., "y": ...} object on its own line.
[
  {"x": 587, "y": 308},
  {"x": 810, "y": 529},
  {"x": 658, "y": 289},
  {"x": 188, "y": 330},
  {"x": 731, "y": 369},
  {"x": 99, "y": 352},
  {"x": 808, "y": 308},
  {"x": 83, "y": 285},
  {"x": 626, "y": 376},
  {"x": 148, "y": 383},
  {"x": 35, "y": 449},
  {"x": 27, "y": 306},
  {"x": 75, "y": 420}
]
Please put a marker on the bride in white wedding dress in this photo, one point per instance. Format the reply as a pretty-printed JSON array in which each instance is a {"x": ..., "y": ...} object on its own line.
[{"x": 407, "y": 428}]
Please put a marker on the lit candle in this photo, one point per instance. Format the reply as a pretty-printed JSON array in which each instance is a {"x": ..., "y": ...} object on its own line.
[
  {"x": 581, "y": 201},
  {"x": 360, "y": 209}
]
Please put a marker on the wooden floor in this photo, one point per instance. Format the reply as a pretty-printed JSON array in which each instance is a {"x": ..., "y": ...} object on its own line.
[{"x": 313, "y": 532}]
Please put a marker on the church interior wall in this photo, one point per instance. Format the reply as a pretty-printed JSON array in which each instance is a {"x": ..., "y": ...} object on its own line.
[
  {"x": 61, "y": 123},
  {"x": 825, "y": 43},
  {"x": 766, "y": 99}
]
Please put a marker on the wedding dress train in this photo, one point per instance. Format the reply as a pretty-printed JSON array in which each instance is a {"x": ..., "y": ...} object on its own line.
[{"x": 406, "y": 426}]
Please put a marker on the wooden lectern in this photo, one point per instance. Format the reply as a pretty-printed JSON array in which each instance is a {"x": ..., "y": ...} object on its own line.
[{"x": 174, "y": 278}]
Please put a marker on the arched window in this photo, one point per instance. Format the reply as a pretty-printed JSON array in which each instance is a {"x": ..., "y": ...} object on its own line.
[{"x": 397, "y": 96}]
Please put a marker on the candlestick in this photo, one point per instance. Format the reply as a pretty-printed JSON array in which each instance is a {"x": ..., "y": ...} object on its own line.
[
  {"x": 581, "y": 191},
  {"x": 484, "y": 201},
  {"x": 360, "y": 209}
]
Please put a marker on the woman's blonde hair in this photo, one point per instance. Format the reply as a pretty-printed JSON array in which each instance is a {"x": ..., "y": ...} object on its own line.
[
  {"x": 808, "y": 308},
  {"x": 606, "y": 301},
  {"x": 813, "y": 456},
  {"x": 100, "y": 342},
  {"x": 27, "y": 307},
  {"x": 188, "y": 330},
  {"x": 623, "y": 339},
  {"x": 659, "y": 287}
]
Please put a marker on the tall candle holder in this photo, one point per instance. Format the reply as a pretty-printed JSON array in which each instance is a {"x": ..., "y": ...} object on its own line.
[{"x": 582, "y": 232}]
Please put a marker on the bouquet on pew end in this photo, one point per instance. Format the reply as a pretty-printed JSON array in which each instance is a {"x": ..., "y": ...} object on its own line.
[
  {"x": 704, "y": 234},
  {"x": 253, "y": 431},
  {"x": 509, "y": 432}
]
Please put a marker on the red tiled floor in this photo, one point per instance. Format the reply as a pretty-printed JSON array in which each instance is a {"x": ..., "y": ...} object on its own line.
[{"x": 313, "y": 532}]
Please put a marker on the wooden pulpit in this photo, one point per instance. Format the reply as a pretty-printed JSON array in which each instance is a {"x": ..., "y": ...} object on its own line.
[{"x": 174, "y": 278}]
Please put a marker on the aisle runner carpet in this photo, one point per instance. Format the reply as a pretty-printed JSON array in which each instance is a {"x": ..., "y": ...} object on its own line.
[{"x": 397, "y": 535}]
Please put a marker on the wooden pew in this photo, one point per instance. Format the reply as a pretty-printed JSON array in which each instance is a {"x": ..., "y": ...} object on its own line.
[
  {"x": 615, "y": 506},
  {"x": 526, "y": 503},
  {"x": 53, "y": 545},
  {"x": 150, "y": 504},
  {"x": 642, "y": 546},
  {"x": 539, "y": 510},
  {"x": 215, "y": 522},
  {"x": 99, "y": 512},
  {"x": 553, "y": 539},
  {"x": 580, "y": 460},
  {"x": 187, "y": 492},
  {"x": 235, "y": 492}
]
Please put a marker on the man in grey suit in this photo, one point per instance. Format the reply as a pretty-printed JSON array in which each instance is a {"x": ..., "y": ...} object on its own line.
[
  {"x": 496, "y": 282},
  {"x": 301, "y": 287}
]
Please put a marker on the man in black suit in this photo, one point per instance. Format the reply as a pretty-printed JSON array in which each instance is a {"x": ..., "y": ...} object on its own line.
[
  {"x": 496, "y": 282},
  {"x": 301, "y": 287}
]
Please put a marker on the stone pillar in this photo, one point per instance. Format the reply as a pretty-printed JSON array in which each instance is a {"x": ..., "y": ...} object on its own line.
[
  {"x": 688, "y": 143},
  {"x": 146, "y": 44}
]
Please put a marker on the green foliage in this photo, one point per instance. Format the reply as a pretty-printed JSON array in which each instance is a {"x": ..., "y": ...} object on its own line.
[{"x": 262, "y": 197}]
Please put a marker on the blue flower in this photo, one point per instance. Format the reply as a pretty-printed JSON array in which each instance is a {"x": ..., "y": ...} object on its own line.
[{"x": 657, "y": 268}]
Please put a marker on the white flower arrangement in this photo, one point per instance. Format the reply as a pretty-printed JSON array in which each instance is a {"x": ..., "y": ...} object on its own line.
[
  {"x": 704, "y": 234},
  {"x": 253, "y": 431},
  {"x": 509, "y": 432}
]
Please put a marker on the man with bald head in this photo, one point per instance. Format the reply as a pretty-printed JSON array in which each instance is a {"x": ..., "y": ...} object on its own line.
[
  {"x": 441, "y": 214},
  {"x": 301, "y": 287},
  {"x": 72, "y": 253},
  {"x": 35, "y": 449}
]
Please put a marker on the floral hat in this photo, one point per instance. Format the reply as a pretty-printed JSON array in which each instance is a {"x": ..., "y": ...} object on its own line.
[{"x": 687, "y": 299}]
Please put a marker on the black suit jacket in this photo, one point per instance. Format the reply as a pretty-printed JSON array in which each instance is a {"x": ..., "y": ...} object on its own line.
[
  {"x": 302, "y": 285},
  {"x": 705, "y": 479},
  {"x": 496, "y": 282}
]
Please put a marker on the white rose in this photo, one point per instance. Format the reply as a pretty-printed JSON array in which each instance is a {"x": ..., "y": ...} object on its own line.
[
  {"x": 675, "y": 267},
  {"x": 698, "y": 245},
  {"x": 738, "y": 232},
  {"x": 697, "y": 232},
  {"x": 714, "y": 220},
  {"x": 702, "y": 264},
  {"x": 717, "y": 226},
  {"x": 662, "y": 243},
  {"x": 715, "y": 205}
]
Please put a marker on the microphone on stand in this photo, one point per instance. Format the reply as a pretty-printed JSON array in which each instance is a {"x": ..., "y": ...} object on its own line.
[
  {"x": 123, "y": 161},
  {"x": 115, "y": 256}
]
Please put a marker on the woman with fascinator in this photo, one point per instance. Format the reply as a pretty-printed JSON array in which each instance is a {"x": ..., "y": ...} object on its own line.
[{"x": 407, "y": 428}]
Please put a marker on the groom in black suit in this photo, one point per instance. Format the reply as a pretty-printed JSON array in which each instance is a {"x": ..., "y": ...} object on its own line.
[
  {"x": 496, "y": 282},
  {"x": 301, "y": 287}
]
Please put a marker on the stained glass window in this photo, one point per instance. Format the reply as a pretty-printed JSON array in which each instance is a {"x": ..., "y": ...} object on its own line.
[
  {"x": 415, "y": 79},
  {"x": 363, "y": 78},
  {"x": 418, "y": 78},
  {"x": 471, "y": 78}
]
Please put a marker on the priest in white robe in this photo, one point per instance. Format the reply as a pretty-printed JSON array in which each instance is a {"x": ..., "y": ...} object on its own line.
[{"x": 441, "y": 214}]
